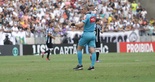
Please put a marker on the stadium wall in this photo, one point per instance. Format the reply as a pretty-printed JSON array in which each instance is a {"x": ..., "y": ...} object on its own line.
[
  {"x": 112, "y": 42},
  {"x": 10, "y": 50},
  {"x": 130, "y": 47},
  {"x": 66, "y": 49},
  {"x": 149, "y": 6}
]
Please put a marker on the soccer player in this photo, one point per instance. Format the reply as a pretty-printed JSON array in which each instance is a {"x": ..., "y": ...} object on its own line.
[
  {"x": 49, "y": 41},
  {"x": 98, "y": 30},
  {"x": 88, "y": 37}
]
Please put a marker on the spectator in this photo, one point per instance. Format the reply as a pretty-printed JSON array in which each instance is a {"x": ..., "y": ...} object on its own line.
[
  {"x": 76, "y": 39},
  {"x": 152, "y": 21},
  {"x": 37, "y": 15},
  {"x": 1, "y": 34},
  {"x": 134, "y": 7},
  {"x": 7, "y": 41},
  {"x": 150, "y": 29},
  {"x": 143, "y": 13},
  {"x": 15, "y": 32}
]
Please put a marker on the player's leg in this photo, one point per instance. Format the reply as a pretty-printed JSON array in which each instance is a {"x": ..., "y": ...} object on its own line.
[
  {"x": 97, "y": 50},
  {"x": 97, "y": 56},
  {"x": 93, "y": 54},
  {"x": 50, "y": 45},
  {"x": 45, "y": 51},
  {"x": 48, "y": 54},
  {"x": 81, "y": 44},
  {"x": 93, "y": 57},
  {"x": 79, "y": 56}
]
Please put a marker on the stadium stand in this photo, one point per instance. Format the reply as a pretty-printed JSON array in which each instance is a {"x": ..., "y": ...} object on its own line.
[{"x": 24, "y": 20}]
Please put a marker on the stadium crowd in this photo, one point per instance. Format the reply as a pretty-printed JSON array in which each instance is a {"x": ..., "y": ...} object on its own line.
[{"x": 30, "y": 18}]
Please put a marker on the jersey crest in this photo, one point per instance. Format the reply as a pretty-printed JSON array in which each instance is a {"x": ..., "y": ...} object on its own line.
[{"x": 92, "y": 19}]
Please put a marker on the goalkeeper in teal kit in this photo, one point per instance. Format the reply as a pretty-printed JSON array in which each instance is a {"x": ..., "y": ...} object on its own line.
[{"x": 88, "y": 37}]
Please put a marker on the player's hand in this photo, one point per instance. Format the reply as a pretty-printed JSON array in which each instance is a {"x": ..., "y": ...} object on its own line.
[
  {"x": 53, "y": 37},
  {"x": 72, "y": 24}
]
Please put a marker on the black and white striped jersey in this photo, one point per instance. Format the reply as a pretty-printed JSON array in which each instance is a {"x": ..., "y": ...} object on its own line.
[
  {"x": 49, "y": 39},
  {"x": 98, "y": 31}
]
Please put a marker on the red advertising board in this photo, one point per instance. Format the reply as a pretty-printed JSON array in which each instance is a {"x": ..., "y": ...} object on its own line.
[{"x": 137, "y": 47}]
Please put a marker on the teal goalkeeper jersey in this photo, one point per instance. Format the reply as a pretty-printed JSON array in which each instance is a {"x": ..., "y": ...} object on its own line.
[{"x": 89, "y": 22}]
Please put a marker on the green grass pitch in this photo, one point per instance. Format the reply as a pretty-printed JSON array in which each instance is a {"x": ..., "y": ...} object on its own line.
[{"x": 113, "y": 67}]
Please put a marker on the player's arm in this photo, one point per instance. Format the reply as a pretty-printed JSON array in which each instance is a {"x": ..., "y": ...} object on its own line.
[
  {"x": 102, "y": 30},
  {"x": 81, "y": 24},
  {"x": 51, "y": 35}
]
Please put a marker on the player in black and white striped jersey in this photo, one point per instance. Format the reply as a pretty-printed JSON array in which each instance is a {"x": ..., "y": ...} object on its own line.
[
  {"x": 49, "y": 43},
  {"x": 98, "y": 30}
]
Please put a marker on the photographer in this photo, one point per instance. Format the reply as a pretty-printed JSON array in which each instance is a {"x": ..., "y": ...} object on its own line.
[{"x": 7, "y": 41}]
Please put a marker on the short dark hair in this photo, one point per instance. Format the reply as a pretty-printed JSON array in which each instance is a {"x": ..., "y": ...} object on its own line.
[{"x": 98, "y": 19}]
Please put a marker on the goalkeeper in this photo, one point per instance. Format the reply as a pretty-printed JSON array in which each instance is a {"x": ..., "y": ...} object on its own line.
[{"x": 88, "y": 37}]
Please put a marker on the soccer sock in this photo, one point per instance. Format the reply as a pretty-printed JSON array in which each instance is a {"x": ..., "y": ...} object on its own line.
[
  {"x": 93, "y": 59},
  {"x": 48, "y": 53},
  {"x": 97, "y": 55},
  {"x": 79, "y": 55}
]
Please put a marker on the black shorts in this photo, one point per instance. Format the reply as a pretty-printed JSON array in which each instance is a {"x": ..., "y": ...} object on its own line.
[
  {"x": 98, "y": 44},
  {"x": 49, "y": 45}
]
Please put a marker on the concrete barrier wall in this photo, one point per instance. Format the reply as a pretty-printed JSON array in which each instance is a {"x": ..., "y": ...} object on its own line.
[
  {"x": 153, "y": 38},
  {"x": 149, "y": 6},
  {"x": 145, "y": 38}
]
